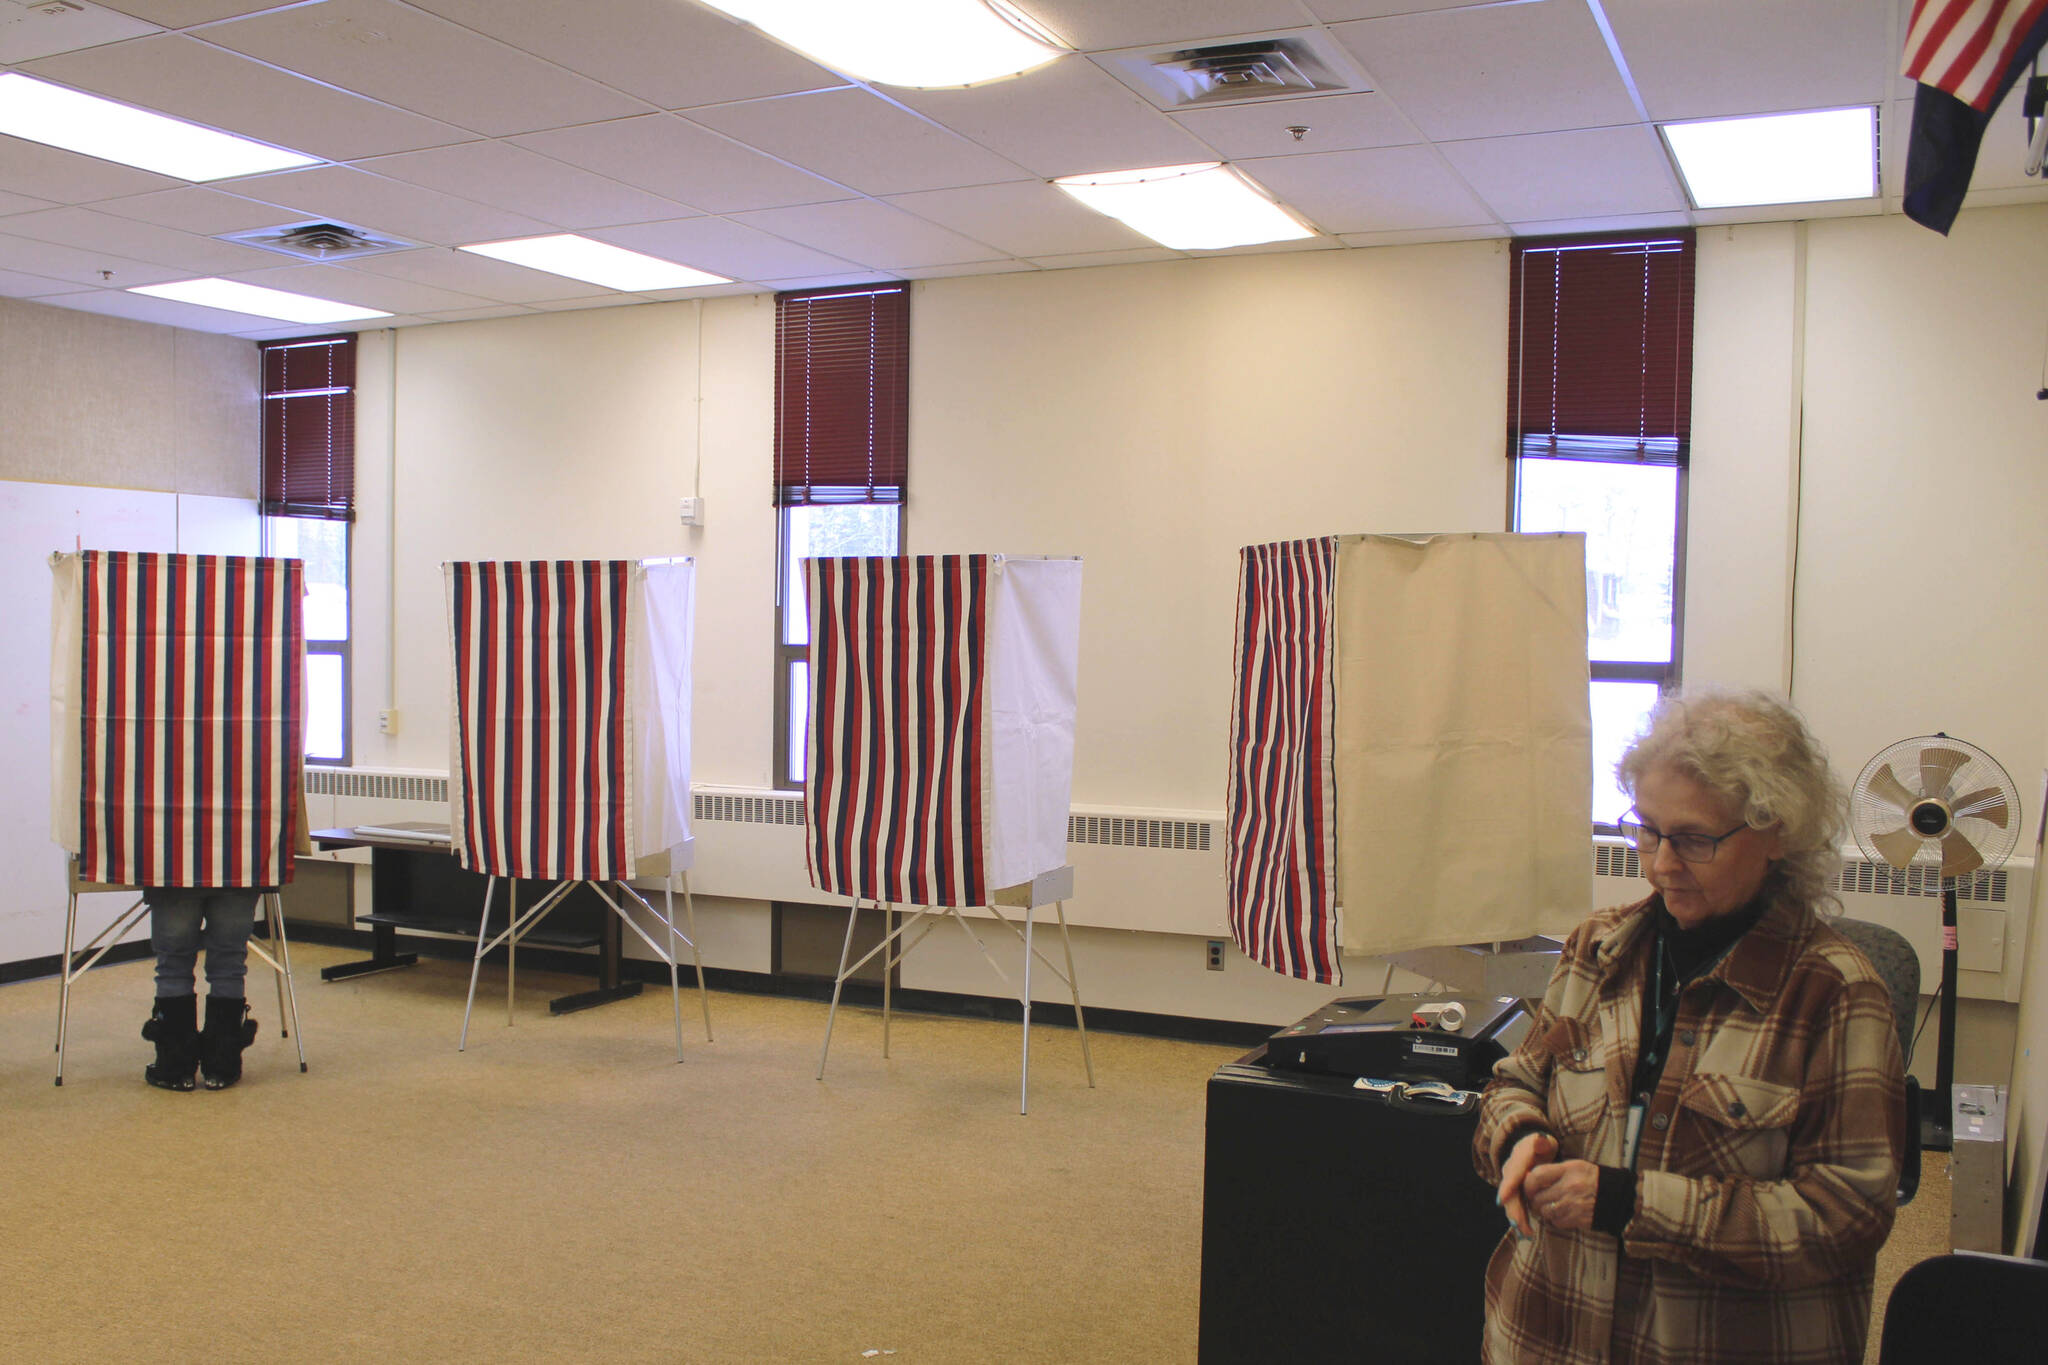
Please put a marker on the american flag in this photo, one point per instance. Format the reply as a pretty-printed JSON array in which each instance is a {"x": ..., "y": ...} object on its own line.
[{"x": 1965, "y": 54}]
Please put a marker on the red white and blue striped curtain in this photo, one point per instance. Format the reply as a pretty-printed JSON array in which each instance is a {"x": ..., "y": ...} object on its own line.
[
  {"x": 1281, "y": 853},
  {"x": 190, "y": 729},
  {"x": 897, "y": 780},
  {"x": 542, "y": 786}
]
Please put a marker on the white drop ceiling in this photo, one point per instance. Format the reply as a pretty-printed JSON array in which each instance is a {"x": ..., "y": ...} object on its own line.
[{"x": 668, "y": 128}]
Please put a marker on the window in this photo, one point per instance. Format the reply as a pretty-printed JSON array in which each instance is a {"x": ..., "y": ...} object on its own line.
[
  {"x": 842, "y": 406},
  {"x": 1599, "y": 428},
  {"x": 308, "y": 501}
]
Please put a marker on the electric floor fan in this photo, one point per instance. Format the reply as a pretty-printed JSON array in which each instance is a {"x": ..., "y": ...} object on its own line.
[{"x": 1945, "y": 807}]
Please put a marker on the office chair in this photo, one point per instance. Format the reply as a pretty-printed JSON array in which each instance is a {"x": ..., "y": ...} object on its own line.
[
  {"x": 1895, "y": 960},
  {"x": 1966, "y": 1306}
]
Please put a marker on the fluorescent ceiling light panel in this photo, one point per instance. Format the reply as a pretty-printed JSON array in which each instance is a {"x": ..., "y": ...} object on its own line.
[
  {"x": 235, "y": 297},
  {"x": 922, "y": 44},
  {"x": 580, "y": 258},
  {"x": 56, "y": 117},
  {"x": 1777, "y": 158},
  {"x": 1202, "y": 207}
]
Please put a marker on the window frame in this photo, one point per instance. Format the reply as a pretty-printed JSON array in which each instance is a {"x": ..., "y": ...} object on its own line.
[
  {"x": 786, "y": 594},
  {"x": 1663, "y": 439},
  {"x": 275, "y": 488},
  {"x": 837, "y": 443}
]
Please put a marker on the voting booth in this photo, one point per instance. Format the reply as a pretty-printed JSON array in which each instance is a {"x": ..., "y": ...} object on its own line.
[
  {"x": 1410, "y": 746},
  {"x": 941, "y": 752},
  {"x": 176, "y": 745},
  {"x": 570, "y": 745}
]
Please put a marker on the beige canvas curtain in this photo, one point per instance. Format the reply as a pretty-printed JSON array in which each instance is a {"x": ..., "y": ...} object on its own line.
[{"x": 1464, "y": 746}]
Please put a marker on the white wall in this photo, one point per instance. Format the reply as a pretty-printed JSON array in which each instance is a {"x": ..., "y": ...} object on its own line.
[{"x": 1857, "y": 396}]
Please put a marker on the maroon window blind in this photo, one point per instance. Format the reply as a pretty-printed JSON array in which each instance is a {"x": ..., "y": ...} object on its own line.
[
  {"x": 842, "y": 395},
  {"x": 1600, "y": 348},
  {"x": 309, "y": 427}
]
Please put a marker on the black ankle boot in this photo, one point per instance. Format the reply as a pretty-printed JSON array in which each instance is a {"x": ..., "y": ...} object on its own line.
[
  {"x": 229, "y": 1029},
  {"x": 174, "y": 1027}
]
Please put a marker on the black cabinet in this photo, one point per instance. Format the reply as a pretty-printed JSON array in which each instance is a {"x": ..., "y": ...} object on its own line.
[{"x": 1337, "y": 1226}]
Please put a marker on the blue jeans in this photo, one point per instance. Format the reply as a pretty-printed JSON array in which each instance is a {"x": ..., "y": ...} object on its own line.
[{"x": 182, "y": 920}]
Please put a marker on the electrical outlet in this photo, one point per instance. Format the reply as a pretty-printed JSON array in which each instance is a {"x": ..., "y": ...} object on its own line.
[
  {"x": 693, "y": 511},
  {"x": 1215, "y": 954},
  {"x": 387, "y": 722}
]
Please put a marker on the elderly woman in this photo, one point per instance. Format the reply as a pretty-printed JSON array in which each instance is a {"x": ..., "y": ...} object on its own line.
[{"x": 1698, "y": 1142}]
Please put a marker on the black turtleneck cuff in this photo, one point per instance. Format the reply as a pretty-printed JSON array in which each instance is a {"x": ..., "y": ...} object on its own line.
[{"x": 1615, "y": 1202}]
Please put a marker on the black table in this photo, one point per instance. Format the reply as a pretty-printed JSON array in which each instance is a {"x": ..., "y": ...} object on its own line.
[
  {"x": 417, "y": 884},
  {"x": 1338, "y": 1226}
]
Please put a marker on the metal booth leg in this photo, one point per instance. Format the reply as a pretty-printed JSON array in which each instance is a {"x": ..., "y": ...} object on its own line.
[
  {"x": 64, "y": 975},
  {"x": 476, "y": 965},
  {"x": 838, "y": 980},
  {"x": 1024, "y": 1071},
  {"x": 1074, "y": 985}
]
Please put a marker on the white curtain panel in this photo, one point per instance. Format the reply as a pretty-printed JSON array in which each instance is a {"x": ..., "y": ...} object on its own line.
[{"x": 1034, "y": 650}]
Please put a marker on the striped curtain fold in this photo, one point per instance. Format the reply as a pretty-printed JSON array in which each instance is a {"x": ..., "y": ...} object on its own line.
[
  {"x": 898, "y": 780},
  {"x": 541, "y": 775},
  {"x": 190, "y": 718},
  {"x": 1280, "y": 812}
]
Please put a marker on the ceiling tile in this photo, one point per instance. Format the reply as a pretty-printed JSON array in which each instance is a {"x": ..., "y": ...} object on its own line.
[
  {"x": 947, "y": 272},
  {"x": 346, "y": 285},
  {"x": 723, "y": 247},
  {"x": 465, "y": 272},
  {"x": 1331, "y": 11},
  {"x": 508, "y": 310},
  {"x": 22, "y": 203},
  {"x": 15, "y": 285},
  {"x": 419, "y": 62},
  {"x": 1335, "y": 123},
  {"x": 521, "y": 181},
  {"x": 1496, "y": 71},
  {"x": 1065, "y": 119},
  {"x": 669, "y": 54},
  {"x": 1028, "y": 218},
  {"x": 180, "y": 13},
  {"x": 588, "y": 301},
  {"x": 37, "y": 30},
  {"x": 858, "y": 139},
  {"x": 91, "y": 230},
  {"x": 62, "y": 177},
  {"x": 1554, "y": 227},
  {"x": 678, "y": 160},
  {"x": 78, "y": 265},
  {"x": 871, "y": 234},
  {"x": 164, "y": 312},
  {"x": 194, "y": 209},
  {"x": 1092, "y": 25},
  {"x": 1423, "y": 236},
  {"x": 1587, "y": 173},
  {"x": 188, "y": 79},
  {"x": 391, "y": 206},
  {"x": 834, "y": 281},
  {"x": 1375, "y": 189},
  {"x": 1082, "y": 260},
  {"x": 1755, "y": 56}
]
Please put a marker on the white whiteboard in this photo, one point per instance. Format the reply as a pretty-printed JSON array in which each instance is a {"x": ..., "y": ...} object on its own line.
[{"x": 35, "y": 520}]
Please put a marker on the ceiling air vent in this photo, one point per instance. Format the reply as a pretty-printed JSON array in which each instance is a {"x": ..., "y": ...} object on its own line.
[
  {"x": 1280, "y": 66},
  {"x": 319, "y": 240}
]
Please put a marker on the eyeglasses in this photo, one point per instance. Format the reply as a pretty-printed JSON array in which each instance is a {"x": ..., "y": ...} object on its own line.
[{"x": 1693, "y": 848}]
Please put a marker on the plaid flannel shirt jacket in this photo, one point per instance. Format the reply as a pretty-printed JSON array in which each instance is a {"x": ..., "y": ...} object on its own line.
[{"x": 1768, "y": 1168}]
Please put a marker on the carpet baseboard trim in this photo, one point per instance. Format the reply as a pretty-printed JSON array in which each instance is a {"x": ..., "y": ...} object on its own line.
[{"x": 29, "y": 968}]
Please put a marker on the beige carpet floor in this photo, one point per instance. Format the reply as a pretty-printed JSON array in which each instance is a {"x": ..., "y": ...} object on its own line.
[{"x": 565, "y": 1191}]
